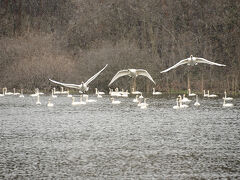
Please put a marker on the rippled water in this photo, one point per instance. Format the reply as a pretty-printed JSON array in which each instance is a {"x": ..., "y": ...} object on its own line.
[{"x": 104, "y": 141}]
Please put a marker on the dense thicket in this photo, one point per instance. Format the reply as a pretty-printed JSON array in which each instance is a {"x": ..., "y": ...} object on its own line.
[{"x": 70, "y": 40}]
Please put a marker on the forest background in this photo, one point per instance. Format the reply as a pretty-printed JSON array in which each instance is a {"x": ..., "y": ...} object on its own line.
[{"x": 70, "y": 40}]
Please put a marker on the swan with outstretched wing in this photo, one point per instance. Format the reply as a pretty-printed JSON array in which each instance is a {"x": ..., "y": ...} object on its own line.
[
  {"x": 83, "y": 87},
  {"x": 133, "y": 73},
  {"x": 192, "y": 61}
]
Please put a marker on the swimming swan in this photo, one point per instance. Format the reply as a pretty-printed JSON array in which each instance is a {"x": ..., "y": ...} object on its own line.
[
  {"x": 21, "y": 95},
  {"x": 53, "y": 96},
  {"x": 196, "y": 103},
  {"x": 14, "y": 92},
  {"x": 133, "y": 73},
  {"x": 83, "y": 87},
  {"x": 135, "y": 99},
  {"x": 192, "y": 61},
  {"x": 50, "y": 104},
  {"x": 191, "y": 94},
  {"x": 212, "y": 95},
  {"x": 227, "y": 98},
  {"x": 177, "y": 106},
  {"x": 227, "y": 104},
  {"x": 115, "y": 102},
  {"x": 156, "y": 93}
]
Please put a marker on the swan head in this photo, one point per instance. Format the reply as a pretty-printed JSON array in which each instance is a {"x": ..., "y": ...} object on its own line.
[{"x": 191, "y": 56}]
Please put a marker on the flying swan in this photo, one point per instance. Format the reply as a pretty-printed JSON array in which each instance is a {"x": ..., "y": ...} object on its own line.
[
  {"x": 133, "y": 73},
  {"x": 83, "y": 87},
  {"x": 192, "y": 61}
]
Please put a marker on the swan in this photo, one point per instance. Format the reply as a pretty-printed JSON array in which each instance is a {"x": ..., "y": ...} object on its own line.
[
  {"x": 99, "y": 96},
  {"x": 53, "y": 96},
  {"x": 185, "y": 99},
  {"x": 41, "y": 93},
  {"x": 156, "y": 93},
  {"x": 38, "y": 100},
  {"x": 227, "y": 104},
  {"x": 180, "y": 101},
  {"x": 133, "y": 73},
  {"x": 135, "y": 92},
  {"x": 14, "y": 92},
  {"x": 212, "y": 95},
  {"x": 3, "y": 92},
  {"x": 191, "y": 94},
  {"x": 192, "y": 61},
  {"x": 204, "y": 94},
  {"x": 196, "y": 103},
  {"x": 99, "y": 92},
  {"x": 81, "y": 101},
  {"x": 124, "y": 94},
  {"x": 50, "y": 104},
  {"x": 83, "y": 87},
  {"x": 225, "y": 96},
  {"x": 115, "y": 93},
  {"x": 7, "y": 93},
  {"x": 35, "y": 94},
  {"x": 135, "y": 99},
  {"x": 21, "y": 95},
  {"x": 144, "y": 103},
  {"x": 74, "y": 103},
  {"x": 68, "y": 95},
  {"x": 115, "y": 102},
  {"x": 62, "y": 91},
  {"x": 177, "y": 106},
  {"x": 55, "y": 91},
  {"x": 141, "y": 96},
  {"x": 89, "y": 100}
]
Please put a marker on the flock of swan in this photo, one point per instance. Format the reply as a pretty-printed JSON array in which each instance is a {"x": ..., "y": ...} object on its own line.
[{"x": 133, "y": 73}]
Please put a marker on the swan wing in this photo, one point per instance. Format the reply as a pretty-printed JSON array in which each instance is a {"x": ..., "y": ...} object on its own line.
[
  {"x": 202, "y": 60},
  {"x": 65, "y": 84},
  {"x": 96, "y": 75},
  {"x": 184, "y": 61},
  {"x": 143, "y": 72},
  {"x": 118, "y": 75}
]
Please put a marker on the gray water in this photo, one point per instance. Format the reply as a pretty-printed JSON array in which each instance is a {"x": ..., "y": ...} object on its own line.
[{"x": 105, "y": 141}]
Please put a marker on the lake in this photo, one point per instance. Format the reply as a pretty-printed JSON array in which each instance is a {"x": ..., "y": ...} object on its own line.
[{"x": 105, "y": 141}]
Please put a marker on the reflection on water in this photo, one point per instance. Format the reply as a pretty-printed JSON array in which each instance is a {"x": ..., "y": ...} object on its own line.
[{"x": 101, "y": 140}]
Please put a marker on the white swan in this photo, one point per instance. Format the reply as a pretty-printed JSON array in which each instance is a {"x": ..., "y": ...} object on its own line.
[
  {"x": 196, "y": 103},
  {"x": 115, "y": 102},
  {"x": 50, "y": 104},
  {"x": 181, "y": 105},
  {"x": 83, "y": 87},
  {"x": 204, "y": 94},
  {"x": 177, "y": 106},
  {"x": 69, "y": 95},
  {"x": 227, "y": 98},
  {"x": 156, "y": 93},
  {"x": 99, "y": 96},
  {"x": 191, "y": 94},
  {"x": 212, "y": 95},
  {"x": 227, "y": 104},
  {"x": 35, "y": 94},
  {"x": 133, "y": 73},
  {"x": 62, "y": 91},
  {"x": 7, "y": 93},
  {"x": 192, "y": 61},
  {"x": 55, "y": 91},
  {"x": 21, "y": 95},
  {"x": 135, "y": 92},
  {"x": 38, "y": 100},
  {"x": 141, "y": 96},
  {"x": 53, "y": 96},
  {"x": 135, "y": 99},
  {"x": 99, "y": 92},
  {"x": 185, "y": 99},
  {"x": 125, "y": 94},
  {"x": 144, "y": 104},
  {"x": 15, "y": 93}
]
